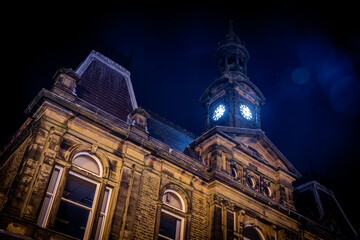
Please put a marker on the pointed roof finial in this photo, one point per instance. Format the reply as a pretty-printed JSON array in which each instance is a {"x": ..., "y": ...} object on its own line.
[
  {"x": 231, "y": 27},
  {"x": 231, "y": 37}
]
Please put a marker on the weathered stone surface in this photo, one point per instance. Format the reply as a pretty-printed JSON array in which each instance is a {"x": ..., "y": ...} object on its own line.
[{"x": 146, "y": 206}]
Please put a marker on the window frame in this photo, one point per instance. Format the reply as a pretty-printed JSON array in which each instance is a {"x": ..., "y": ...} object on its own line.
[
  {"x": 258, "y": 231},
  {"x": 251, "y": 181},
  {"x": 179, "y": 196},
  {"x": 234, "y": 172},
  {"x": 94, "y": 204},
  {"x": 175, "y": 212},
  {"x": 84, "y": 169},
  {"x": 182, "y": 225},
  {"x": 50, "y": 209},
  {"x": 45, "y": 210},
  {"x": 233, "y": 227},
  {"x": 101, "y": 225}
]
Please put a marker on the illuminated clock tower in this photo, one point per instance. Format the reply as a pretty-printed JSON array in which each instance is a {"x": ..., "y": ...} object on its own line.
[{"x": 232, "y": 100}]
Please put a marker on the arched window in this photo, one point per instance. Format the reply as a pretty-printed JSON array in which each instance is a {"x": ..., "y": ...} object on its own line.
[
  {"x": 251, "y": 233},
  {"x": 74, "y": 215},
  {"x": 85, "y": 161},
  {"x": 172, "y": 216}
]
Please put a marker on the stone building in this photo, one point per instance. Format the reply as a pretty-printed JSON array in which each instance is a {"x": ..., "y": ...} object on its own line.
[{"x": 88, "y": 163}]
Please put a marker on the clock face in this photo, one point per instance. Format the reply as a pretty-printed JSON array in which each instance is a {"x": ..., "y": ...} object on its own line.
[
  {"x": 246, "y": 112},
  {"x": 218, "y": 112}
]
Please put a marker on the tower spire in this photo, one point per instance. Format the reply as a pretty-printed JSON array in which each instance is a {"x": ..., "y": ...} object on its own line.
[
  {"x": 231, "y": 37},
  {"x": 232, "y": 100},
  {"x": 231, "y": 26},
  {"x": 231, "y": 56}
]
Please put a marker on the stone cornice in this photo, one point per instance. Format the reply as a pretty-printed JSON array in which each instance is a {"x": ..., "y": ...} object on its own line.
[
  {"x": 222, "y": 131},
  {"x": 119, "y": 128}
]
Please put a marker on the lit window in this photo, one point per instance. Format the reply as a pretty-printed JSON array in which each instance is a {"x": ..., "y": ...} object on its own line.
[
  {"x": 76, "y": 209},
  {"x": 218, "y": 112},
  {"x": 172, "y": 219},
  {"x": 245, "y": 112}
]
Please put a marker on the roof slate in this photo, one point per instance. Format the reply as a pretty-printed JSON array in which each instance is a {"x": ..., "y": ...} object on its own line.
[
  {"x": 168, "y": 135},
  {"x": 105, "y": 88}
]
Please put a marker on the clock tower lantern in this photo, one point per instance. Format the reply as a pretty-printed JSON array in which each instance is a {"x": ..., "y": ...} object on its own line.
[{"x": 232, "y": 100}]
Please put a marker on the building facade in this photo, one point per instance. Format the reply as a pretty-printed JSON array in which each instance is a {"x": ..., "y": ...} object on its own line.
[{"x": 89, "y": 163}]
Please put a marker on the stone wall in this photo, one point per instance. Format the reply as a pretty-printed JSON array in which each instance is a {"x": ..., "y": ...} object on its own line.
[
  {"x": 138, "y": 173},
  {"x": 147, "y": 206}
]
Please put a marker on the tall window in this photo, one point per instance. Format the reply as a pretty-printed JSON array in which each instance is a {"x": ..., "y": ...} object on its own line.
[
  {"x": 230, "y": 224},
  {"x": 50, "y": 195},
  {"x": 172, "y": 216},
  {"x": 75, "y": 212}
]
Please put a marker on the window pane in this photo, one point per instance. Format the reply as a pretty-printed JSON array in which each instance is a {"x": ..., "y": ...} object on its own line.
[
  {"x": 173, "y": 200},
  {"x": 44, "y": 209},
  {"x": 53, "y": 180},
  {"x": 98, "y": 230},
  {"x": 105, "y": 201},
  {"x": 88, "y": 163},
  {"x": 230, "y": 225},
  {"x": 71, "y": 219},
  {"x": 79, "y": 190},
  {"x": 101, "y": 223},
  {"x": 168, "y": 225}
]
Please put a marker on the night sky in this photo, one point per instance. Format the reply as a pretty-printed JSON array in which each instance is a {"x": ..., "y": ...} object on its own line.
[{"x": 304, "y": 59}]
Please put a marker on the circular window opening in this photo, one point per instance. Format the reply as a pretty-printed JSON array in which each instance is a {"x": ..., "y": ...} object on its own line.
[
  {"x": 251, "y": 181},
  {"x": 267, "y": 191},
  {"x": 233, "y": 172}
]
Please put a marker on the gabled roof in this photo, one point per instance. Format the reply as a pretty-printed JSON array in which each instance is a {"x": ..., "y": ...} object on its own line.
[
  {"x": 106, "y": 85},
  {"x": 319, "y": 203},
  {"x": 237, "y": 135}
]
